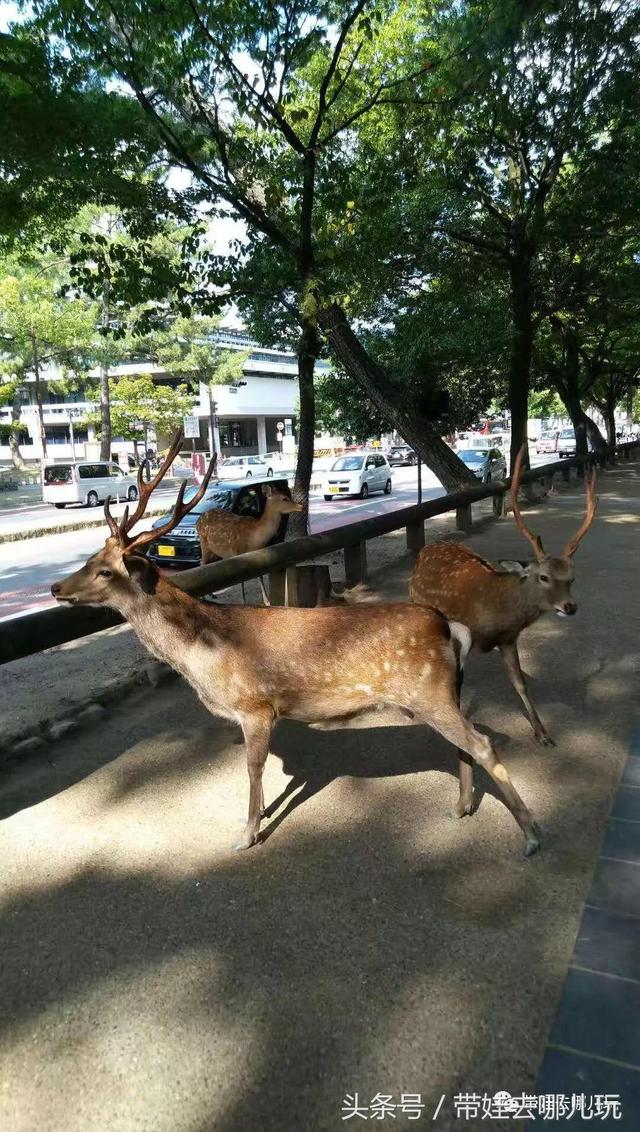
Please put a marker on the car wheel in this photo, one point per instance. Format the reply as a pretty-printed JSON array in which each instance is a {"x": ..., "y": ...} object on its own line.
[
  {"x": 92, "y": 499},
  {"x": 269, "y": 473},
  {"x": 413, "y": 461},
  {"x": 132, "y": 493},
  {"x": 364, "y": 491},
  {"x": 60, "y": 505},
  {"x": 328, "y": 498},
  {"x": 248, "y": 475},
  {"x": 387, "y": 487}
]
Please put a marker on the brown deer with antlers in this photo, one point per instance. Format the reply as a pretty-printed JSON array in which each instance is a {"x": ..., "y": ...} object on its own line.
[
  {"x": 255, "y": 665},
  {"x": 497, "y": 601}
]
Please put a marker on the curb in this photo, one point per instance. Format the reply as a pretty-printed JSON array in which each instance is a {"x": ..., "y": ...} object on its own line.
[
  {"x": 60, "y": 529},
  {"x": 38, "y": 738}
]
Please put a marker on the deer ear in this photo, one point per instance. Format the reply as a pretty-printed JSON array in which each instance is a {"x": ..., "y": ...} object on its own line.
[
  {"x": 142, "y": 572},
  {"x": 509, "y": 566},
  {"x": 267, "y": 489}
]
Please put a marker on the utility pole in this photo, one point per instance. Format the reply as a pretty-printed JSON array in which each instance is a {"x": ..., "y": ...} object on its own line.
[{"x": 213, "y": 427}]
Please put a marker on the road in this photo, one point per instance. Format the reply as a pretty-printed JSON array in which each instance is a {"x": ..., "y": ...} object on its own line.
[{"x": 28, "y": 568}]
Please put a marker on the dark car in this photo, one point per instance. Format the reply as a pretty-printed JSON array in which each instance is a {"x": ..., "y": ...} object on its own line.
[
  {"x": 181, "y": 547},
  {"x": 402, "y": 454}
]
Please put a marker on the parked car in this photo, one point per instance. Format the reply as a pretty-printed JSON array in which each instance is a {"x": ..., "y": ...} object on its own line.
[
  {"x": 566, "y": 442},
  {"x": 360, "y": 474},
  {"x": 181, "y": 547},
  {"x": 86, "y": 482},
  {"x": 402, "y": 454},
  {"x": 233, "y": 467},
  {"x": 485, "y": 463},
  {"x": 547, "y": 442}
]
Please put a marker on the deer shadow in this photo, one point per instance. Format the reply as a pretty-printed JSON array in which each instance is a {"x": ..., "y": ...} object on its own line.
[{"x": 315, "y": 758}]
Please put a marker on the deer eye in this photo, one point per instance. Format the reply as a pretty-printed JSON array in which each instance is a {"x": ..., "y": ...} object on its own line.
[
  {"x": 105, "y": 574},
  {"x": 544, "y": 577}
]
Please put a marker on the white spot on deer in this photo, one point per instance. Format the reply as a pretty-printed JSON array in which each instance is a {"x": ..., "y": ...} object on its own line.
[
  {"x": 399, "y": 652},
  {"x": 387, "y": 666},
  {"x": 366, "y": 688}
]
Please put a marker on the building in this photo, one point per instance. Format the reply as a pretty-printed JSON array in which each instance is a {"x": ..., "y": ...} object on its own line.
[{"x": 247, "y": 413}]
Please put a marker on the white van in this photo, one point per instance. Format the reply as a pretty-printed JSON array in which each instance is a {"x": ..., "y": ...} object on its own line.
[{"x": 87, "y": 482}]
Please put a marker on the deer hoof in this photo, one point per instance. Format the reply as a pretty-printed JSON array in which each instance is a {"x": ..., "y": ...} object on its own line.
[
  {"x": 246, "y": 841},
  {"x": 533, "y": 843},
  {"x": 464, "y": 809}
]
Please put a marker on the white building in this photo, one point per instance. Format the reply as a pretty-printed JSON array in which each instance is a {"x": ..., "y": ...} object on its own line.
[{"x": 247, "y": 412}]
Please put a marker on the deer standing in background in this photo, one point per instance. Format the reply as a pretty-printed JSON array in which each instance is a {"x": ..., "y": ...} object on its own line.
[
  {"x": 497, "y": 601},
  {"x": 256, "y": 665},
  {"x": 223, "y": 534}
]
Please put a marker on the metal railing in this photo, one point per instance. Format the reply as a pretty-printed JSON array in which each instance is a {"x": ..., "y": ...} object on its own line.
[{"x": 34, "y": 632}]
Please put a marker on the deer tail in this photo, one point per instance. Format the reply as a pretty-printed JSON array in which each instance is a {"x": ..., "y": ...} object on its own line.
[{"x": 461, "y": 637}]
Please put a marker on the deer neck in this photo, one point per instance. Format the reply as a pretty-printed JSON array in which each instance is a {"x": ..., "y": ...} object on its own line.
[
  {"x": 266, "y": 526},
  {"x": 168, "y": 622},
  {"x": 527, "y": 596}
]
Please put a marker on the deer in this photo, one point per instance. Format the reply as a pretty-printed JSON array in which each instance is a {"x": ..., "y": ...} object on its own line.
[
  {"x": 257, "y": 664},
  {"x": 496, "y": 601},
  {"x": 223, "y": 534}
]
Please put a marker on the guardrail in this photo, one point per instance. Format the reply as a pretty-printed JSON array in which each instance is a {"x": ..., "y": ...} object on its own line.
[{"x": 34, "y": 632}]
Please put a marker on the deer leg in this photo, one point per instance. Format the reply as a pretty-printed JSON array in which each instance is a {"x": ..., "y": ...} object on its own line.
[
  {"x": 511, "y": 661},
  {"x": 459, "y": 731},
  {"x": 257, "y": 733},
  {"x": 464, "y": 805}
]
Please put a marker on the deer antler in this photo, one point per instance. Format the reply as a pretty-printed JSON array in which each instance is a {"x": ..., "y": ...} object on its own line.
[
  {"x": 535, "y": 540},
  {"x": 120, "y": 530},
  {"x": 592, "y": 503}
]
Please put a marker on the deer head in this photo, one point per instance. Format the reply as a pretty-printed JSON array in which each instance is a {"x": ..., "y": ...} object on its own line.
[
  {"x": 551, "y": 577},
  {"x": 278, "y": 503},
  {"x": 117, "y": 573}
]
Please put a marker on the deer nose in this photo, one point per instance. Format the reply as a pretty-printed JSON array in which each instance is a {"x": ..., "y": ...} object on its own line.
[
  {"x": 570, "y": 607},
  {"x": 56, "y": 587}
]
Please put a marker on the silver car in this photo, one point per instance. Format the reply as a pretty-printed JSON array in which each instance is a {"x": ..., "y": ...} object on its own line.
[{"x": 486, "y": 463}]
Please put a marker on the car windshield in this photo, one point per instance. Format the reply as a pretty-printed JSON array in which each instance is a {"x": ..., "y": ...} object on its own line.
[
  {"x": 233, "y": 460},
  {"x": 61, "y": 473},
  {"x": 567, "y": 434},
  {"x": 214, "y": 498},
  {"x": 348, "y": 464},
  {"x": 548, "y": 436},
  {"x": 472, "y": 455}
]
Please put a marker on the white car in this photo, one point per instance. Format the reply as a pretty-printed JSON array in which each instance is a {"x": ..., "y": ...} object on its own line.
[
  {"x": 88, "y": 482},
  {"x": 566, "y": 442},
  {"x": 360, "y": 474},
  {"x": 244, "y": 467}
]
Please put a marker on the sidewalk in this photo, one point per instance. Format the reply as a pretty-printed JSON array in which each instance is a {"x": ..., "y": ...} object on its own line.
[{"x": 373, "y": 945}]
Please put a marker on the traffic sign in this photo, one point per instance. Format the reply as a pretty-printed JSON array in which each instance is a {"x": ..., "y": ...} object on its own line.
[{"x": 191, "y": 428}]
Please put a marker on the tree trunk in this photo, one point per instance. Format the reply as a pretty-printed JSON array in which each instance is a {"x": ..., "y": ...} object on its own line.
[
  {"x": 105, "y": 397},
  {"x": 521, "y": 348},
  {"x": 36, "y": 372},
  {"x": 567, "y": 382},
  {"x": 14, "y": 443},
  {"x": 377, "y": 385},
  {"x": 608, "y": 412},
  {"x": 308, "y": 349}
]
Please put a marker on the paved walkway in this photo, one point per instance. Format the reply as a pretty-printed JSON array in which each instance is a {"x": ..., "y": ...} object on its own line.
[{"x": 153, "y": 979}]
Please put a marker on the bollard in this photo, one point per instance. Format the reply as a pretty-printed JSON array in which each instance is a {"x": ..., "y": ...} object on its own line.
[
  {"x": 415, "y": 536},
  {"x": 355, "y": 563},
  {"x": 464, "y": 520}
]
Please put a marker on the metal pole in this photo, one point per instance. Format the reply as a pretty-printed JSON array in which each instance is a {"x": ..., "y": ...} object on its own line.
[
  {"x": 213, "y": 426},
  {"x": 73, "y": 440},
  {"x": 419, "y": 480}
]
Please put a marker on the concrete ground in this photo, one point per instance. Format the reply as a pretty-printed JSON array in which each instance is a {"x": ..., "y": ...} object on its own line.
[{"x": 151, "y": 978}]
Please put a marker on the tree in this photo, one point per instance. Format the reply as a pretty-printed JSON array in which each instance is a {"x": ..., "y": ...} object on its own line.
[
  {"x": 38, "y": 328},
  {"x": 138, "y": 403},
  {"x": 254, "y": 136}
]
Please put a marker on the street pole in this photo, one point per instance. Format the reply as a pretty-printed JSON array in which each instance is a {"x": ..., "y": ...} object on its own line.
[
  {"x": 73, "y": 439},
  {"x": 213, "y": 426}
]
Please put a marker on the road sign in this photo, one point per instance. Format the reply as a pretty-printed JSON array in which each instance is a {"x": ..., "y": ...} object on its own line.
[
  {"x": 191, "y": 428},
  {"x": 280, "y": 426}
]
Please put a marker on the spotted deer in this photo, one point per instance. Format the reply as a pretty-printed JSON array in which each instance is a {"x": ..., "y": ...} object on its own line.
[
  {"x": 256, "y": 665},
  {"x": 223, "y": 534},
  {"x": 496, "y": 601}
]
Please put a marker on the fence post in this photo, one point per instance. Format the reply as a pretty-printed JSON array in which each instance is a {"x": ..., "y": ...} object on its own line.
[
  {"x": 278, "y": 587},
  {"x": 464, "y": 521},
  {"x": 308, "y": 585},
  {"x": 500, "y": 504},
  {"x": 355, "y": 563},
  {"x": 566, "y": 474},
  {"x": 415, "y": 536}
]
